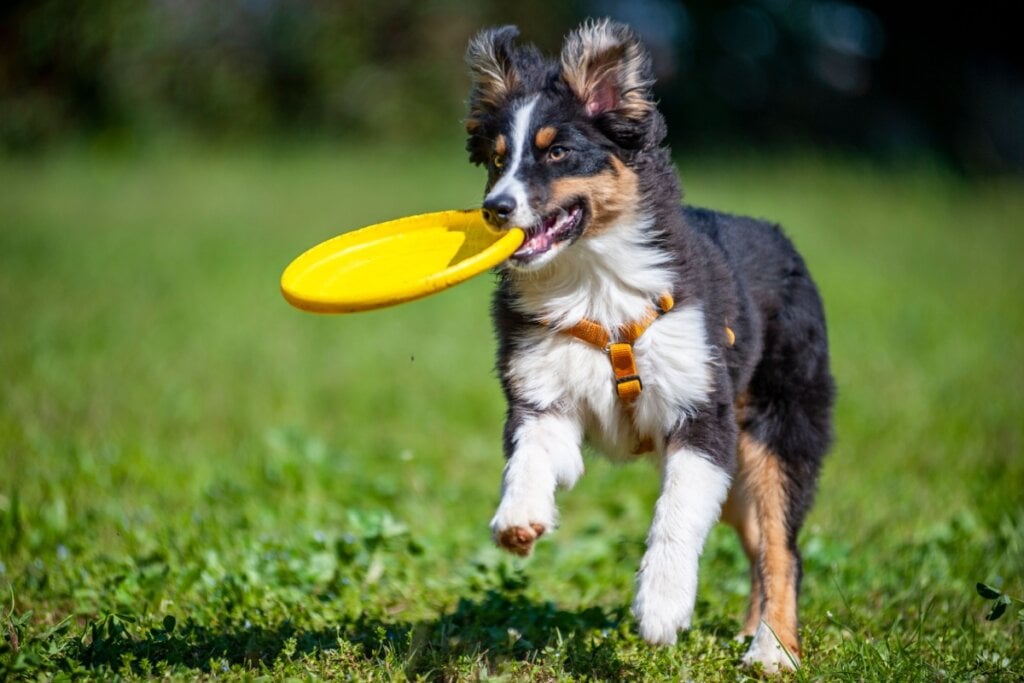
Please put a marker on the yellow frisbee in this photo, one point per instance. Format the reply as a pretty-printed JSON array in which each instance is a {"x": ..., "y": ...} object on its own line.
[{"x": 397, "y": 261}]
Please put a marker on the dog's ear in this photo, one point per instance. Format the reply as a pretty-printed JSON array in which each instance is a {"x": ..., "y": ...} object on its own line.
[
  {"x": 493, "y": 71},
  {"x": 609, "y": 70},
  {"x": 491, "y": 67}
]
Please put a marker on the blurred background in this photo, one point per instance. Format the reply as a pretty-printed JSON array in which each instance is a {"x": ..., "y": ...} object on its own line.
[
  {"x": 889, "y": 80},
  {"x": 180, "y": 446}
]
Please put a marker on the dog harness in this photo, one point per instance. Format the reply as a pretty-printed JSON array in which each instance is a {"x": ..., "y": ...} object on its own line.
[{"x": 628, "y": 384}]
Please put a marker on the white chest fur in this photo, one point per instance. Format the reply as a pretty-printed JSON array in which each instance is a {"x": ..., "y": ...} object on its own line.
[
  {"x": 611, "y": 279},
  {"x": 576, "y": 379}
]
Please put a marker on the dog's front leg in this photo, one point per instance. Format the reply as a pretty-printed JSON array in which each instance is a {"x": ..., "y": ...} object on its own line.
[
  {"x": 543, "y": 452},
  {"x": 693, "y": 489}
]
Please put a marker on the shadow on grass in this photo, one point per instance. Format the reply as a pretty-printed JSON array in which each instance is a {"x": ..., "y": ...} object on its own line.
[{"x": 495, "y": 628}]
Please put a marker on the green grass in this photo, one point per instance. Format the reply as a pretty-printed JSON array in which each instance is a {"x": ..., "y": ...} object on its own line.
[{"x": 198, "y": 481}]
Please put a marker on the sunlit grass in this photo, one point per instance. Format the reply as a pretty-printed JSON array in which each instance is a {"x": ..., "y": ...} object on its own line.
[{"x": 197, "y": 477}]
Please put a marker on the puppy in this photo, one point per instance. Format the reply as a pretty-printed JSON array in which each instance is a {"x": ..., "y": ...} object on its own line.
[{"x": 693, "y": 337}]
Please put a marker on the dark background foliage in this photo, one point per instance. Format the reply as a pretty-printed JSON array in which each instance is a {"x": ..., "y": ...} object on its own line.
[{"x": 883, "y": 78}]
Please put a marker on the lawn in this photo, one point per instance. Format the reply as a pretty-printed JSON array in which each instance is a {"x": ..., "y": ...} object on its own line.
[{"x": 197, "y": 480}]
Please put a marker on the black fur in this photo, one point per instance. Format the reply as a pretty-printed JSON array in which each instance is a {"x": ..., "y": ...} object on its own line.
[{"x": 790, "y": 391}]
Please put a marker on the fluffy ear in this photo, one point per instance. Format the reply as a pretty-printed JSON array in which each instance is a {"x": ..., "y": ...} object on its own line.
[
  {"x": 491, "y": 67},
  {"x": 609, "y": 70}
]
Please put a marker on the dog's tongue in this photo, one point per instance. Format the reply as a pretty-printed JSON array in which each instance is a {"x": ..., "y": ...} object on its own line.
[{"x": 541, "y": 238}]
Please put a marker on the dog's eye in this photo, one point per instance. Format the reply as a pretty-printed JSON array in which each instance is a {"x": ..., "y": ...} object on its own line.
[
  {"x": 557, "y": 153},
  {"x": 498, "y": 161}
]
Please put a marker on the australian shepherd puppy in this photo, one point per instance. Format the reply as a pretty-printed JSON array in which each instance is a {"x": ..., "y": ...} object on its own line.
[{"x": 693, "y": 337}]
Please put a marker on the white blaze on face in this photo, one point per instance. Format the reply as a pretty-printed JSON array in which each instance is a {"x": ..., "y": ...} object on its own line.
[{"x": 509, "y": 183}]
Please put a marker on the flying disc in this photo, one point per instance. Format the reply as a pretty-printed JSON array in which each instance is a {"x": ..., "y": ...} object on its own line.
[{"x": 397, "y": 261}]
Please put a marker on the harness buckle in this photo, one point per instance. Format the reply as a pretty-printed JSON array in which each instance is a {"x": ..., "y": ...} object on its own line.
[
  {"x": 627, "y": 377},
  {"x": 623, "y": 385}
]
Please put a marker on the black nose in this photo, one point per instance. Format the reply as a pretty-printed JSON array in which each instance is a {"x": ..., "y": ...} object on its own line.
[{"x": 497, "y": 210}]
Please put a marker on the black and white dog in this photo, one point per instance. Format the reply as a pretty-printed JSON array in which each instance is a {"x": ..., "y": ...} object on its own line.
[{"x": 642, "y": 327}]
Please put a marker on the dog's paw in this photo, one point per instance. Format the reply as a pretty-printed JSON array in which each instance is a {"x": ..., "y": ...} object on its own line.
[
  {"x": 767, "y": 651},
  {"x": 519, "y": 522},
  {"x": 659, "y": 620},
  {"x": 664, "y": 601},
  {"x": 658, "y": 627},
  {"x": 519, "y": 540}
]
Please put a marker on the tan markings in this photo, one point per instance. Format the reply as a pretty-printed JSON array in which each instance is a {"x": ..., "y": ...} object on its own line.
[
  {"x": 472, "y": 126},
  {"x": 611, "y": 195},
  {"x": 607, "y": 69},
  {"x": 545, "y": 136},
  {"x": 500, "y": 146},
  {"x": 763, "y": 482}
]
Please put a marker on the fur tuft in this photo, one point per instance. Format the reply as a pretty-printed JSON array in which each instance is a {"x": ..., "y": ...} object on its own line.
[
  {"x": 609, "y": 70},
  {"x": 500, "y": 70},
  {"x": 489, "y": 56}
]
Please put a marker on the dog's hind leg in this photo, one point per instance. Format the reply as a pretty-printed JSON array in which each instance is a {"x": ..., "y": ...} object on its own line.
[
  {"x": 785, "y": 431},
  {"x": 741, "y": 513},
  {"x": 543, "y": 453},
  {"x": 766, "y": 529}
]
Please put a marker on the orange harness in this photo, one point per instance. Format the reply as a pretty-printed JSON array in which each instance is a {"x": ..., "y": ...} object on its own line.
[
  {"x": 628, "y": 384},
  {"x": 620, "y": 352}
]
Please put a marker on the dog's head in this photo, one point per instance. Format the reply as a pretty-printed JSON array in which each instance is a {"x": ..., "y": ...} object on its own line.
[{"x": 560, "y": 140}]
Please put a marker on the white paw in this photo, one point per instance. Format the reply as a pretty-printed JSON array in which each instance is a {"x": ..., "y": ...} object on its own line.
[
  {"x": 767, "y": 651},
  {"x": 516, "y": 526},
  {"x": 665, "y": 595}
]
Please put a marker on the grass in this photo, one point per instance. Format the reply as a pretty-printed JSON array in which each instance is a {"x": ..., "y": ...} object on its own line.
[{"x": 198, "y": 481}]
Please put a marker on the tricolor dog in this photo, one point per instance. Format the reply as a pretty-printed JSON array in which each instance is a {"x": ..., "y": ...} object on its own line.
[{"x": 646, "y": 329}]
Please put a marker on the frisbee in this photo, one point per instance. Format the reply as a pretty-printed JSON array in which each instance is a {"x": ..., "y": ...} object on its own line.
[{"x": 397, "y": 261}]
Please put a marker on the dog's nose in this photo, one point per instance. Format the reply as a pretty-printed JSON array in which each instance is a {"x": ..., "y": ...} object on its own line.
[{"x": 497, "y": 210}]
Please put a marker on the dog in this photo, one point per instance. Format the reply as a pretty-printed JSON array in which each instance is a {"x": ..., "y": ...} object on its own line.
[{"x": 644, "y": 328}]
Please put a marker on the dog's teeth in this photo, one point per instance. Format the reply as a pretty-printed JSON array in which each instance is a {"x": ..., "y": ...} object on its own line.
[{"x": 544, "y": 234}]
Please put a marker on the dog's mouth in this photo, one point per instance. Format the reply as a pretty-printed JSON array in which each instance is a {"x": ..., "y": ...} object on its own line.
[{"x": 562, "y": 225}]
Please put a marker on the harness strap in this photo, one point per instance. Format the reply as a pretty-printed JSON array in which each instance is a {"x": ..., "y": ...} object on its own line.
[
  {"x": 628, "y": 384},
  {"x": 620, "y": 352},
  {"x": 627, "y": 379}
]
